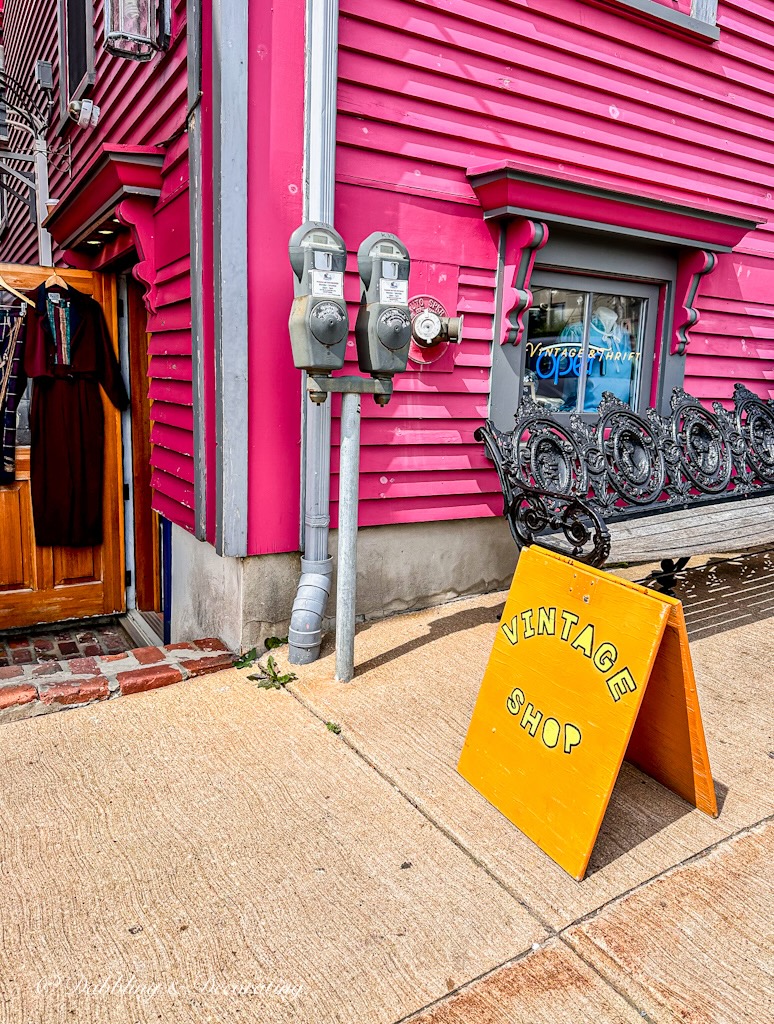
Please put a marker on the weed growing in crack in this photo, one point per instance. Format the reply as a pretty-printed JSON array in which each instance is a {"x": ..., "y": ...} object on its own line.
[
  {"x": 269, "y": 678},
  {"x": 247, "y": 659}
]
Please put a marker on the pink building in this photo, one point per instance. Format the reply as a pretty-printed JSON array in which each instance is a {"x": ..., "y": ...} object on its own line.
[{"x": 609, "y": 156}]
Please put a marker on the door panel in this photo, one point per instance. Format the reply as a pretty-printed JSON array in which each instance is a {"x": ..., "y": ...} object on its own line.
[
  {"x": 74, "y": 565},
  {"x": 48, "y": 584},
  {"x": 17, "y": 563}
]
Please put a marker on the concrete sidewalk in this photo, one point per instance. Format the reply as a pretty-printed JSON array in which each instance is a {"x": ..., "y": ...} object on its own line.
[{"x": 212, "y": 852}]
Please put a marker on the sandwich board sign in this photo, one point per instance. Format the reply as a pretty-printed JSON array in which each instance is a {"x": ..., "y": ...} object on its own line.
[{"x": 586, "y": 669}]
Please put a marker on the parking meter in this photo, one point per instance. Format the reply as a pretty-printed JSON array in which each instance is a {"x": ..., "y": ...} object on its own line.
[
  {"x": 318, "y": 317},
  {"x": 383, "y": 327}
]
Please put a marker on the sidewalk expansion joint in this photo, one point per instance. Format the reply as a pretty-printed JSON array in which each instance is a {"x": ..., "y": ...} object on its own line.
[
  {"x": 435, "y": 1003},
  {"x": 620, "y": 992},
  {"x": 694, "y": 858}
]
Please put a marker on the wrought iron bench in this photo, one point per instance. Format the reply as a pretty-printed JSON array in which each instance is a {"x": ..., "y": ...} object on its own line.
[{"x": 629, "y": 488}]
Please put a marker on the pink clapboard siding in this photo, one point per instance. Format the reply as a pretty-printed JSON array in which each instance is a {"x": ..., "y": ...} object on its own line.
[
  {"x": 428, "y": 88},
  {"x": 275, "y": 208},
  {"x": 141, "y": 104}
]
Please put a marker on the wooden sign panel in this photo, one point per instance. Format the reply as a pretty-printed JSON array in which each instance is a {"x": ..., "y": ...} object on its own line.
[{"x": 586, "y": 668}]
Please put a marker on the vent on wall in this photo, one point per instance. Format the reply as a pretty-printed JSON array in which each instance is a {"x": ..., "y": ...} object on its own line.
[{"x": 137, "y": 29}]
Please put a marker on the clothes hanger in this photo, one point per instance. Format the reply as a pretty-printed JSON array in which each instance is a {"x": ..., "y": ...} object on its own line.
[
  {"x": 19, "y": 295},
  {"x": 55, "y": 279}
]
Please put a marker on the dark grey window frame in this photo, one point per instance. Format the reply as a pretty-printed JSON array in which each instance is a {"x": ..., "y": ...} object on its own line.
[
  {"x": 701, "y": 23},
  {"x": 90, "y": 76},
  {"x": 607, "y": 259},
  {"x": 584, "y": 282}
]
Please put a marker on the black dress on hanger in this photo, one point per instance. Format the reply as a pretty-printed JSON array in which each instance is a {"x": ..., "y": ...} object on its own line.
[{"x": 69, "y": 354}]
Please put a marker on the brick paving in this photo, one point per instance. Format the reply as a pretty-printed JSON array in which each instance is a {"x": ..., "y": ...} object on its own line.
[
  {"x": 29, "y": 688},
  {"x": 47, "y": 644}
]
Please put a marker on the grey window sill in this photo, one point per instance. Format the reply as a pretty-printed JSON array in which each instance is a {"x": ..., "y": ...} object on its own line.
[{"x": 650, "y": 8}]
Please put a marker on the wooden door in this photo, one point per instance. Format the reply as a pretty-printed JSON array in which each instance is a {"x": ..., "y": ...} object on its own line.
[{"x": 40, "y": 584}]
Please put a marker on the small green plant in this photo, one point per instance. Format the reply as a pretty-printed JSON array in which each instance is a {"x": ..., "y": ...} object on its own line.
[
  {"x": 333, "y": 727},
  {"x": 247, "y": 659},
  {"x": 274, "y": 641},
  {"x": 269, "y": 678}
]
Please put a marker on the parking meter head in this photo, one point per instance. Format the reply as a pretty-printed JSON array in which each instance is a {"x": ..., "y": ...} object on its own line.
[
  {"x": 318, "y": 317},
  {"x": 383, "y": 328}
]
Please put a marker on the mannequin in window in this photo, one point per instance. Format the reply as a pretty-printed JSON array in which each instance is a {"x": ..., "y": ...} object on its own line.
[{"x": 610, "y": 365}]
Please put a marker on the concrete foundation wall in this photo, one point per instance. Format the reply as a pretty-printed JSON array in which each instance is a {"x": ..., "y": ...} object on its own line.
[
  {"x": 206, "y": 591},
  {"x": 400, "y": 568}
]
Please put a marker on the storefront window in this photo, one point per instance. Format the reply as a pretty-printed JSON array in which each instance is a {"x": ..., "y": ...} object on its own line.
[{"x": 580, "y": 344}]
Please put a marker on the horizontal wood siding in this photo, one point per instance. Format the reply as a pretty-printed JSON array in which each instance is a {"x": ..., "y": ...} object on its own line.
[
  {"x": 428, "y": 88},
  {"x": 140, "y": 104}
]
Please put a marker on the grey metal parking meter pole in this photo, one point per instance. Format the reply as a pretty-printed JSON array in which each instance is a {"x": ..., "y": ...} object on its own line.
[
  {"x": 346, "y": 581},
  {"x": 350, "y": 389},
  {"x": 318, "y": 331}
]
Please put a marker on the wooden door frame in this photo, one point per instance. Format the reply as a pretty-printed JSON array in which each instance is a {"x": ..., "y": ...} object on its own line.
[{"x": 147, "y": 556}]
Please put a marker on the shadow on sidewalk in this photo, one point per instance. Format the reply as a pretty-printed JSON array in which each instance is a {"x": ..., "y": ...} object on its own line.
[
  {"x": 458, "y": 622},
  {"x": 639, "y": 809},
  {"x": 727, "y": 593}
]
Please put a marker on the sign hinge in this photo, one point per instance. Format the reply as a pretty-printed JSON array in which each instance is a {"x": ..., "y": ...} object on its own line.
[
  {"x": 126, "y": 492},
  {"x": 128, "y": 578}
]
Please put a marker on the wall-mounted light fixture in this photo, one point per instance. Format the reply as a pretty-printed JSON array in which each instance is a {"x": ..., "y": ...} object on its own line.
[
  {"x": 83, "y": 112},
  {"x": 137, "y": 29}
]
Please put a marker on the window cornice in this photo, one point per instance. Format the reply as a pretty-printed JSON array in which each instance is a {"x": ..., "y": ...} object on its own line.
[{"x": 506, "y": 189}]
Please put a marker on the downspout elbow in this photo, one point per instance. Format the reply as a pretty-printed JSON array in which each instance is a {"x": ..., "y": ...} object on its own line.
[{"x": 305, "y": 633}]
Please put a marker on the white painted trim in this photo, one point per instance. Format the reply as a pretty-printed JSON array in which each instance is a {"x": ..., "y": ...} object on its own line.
[
  {"x": 230, "y": 135},
  {"x": 322, "y": 35}
]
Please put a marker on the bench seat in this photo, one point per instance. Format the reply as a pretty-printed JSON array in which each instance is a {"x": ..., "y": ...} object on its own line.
[{"x": 631, "y": 489}]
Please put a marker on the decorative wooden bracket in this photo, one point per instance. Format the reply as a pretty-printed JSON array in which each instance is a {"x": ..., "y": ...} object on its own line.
[
  {"x": 136, "y": 213},
  {"x": 523, "y": 240},
  {"x": 692, "y": 266}
]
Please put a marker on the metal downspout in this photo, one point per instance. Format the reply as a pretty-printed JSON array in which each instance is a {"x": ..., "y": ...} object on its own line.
[{"x": 314, "y": 587}]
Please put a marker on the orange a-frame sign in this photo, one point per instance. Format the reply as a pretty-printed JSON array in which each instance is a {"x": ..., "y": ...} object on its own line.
[{"x": 586, "y": 669}]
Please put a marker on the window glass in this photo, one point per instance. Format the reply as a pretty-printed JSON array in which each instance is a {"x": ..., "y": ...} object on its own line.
[
  {"x": 76, "y": 43},
  {"x": 580, "y": 344}
]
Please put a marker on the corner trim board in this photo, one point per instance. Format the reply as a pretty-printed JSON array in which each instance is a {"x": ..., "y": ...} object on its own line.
[{"x": 230, "y": 135}]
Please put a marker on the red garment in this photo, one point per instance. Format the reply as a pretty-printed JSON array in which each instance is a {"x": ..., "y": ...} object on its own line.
[{"x": 66, "y": 416}]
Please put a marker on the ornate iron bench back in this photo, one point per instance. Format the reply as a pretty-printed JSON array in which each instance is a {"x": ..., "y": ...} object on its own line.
[{"x": 572, "y": 476}]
